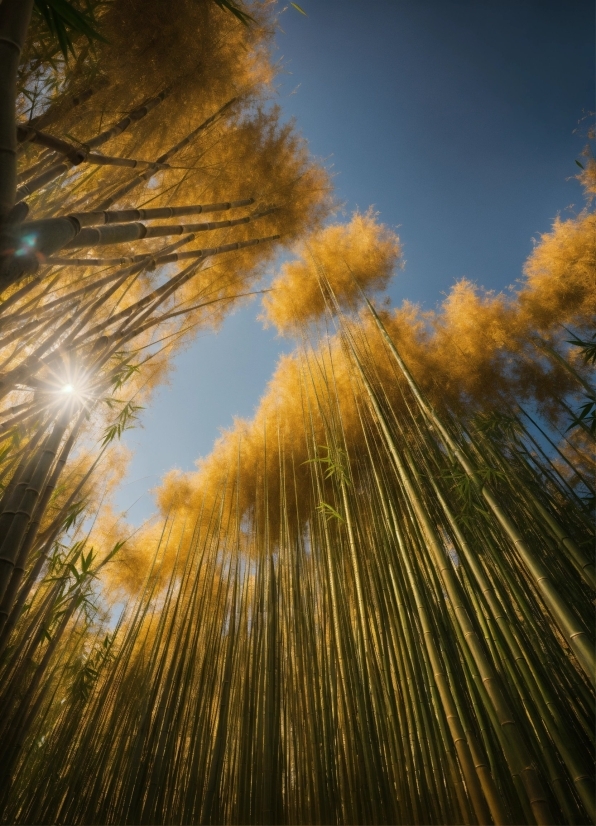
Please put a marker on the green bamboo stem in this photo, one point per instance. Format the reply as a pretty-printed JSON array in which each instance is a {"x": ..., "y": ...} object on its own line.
[
  {"x": 404, "y": 662},
  {"x": 584, "y": 565},
  {"x": 500, "y": 616},
  {"x": 61, "y": 167},
  {"x": 565, "y": 618},
  {"x": 311, "y": 726},
  {"x": 456, "y": 730},
  {"x": 556, "y": 448},
  {"x": 523, "y": 765}
]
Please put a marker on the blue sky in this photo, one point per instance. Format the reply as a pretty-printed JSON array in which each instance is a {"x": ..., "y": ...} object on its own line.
[{"x": 458, "y": 120}]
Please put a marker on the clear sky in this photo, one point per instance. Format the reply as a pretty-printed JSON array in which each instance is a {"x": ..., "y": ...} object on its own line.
[{"x": 459, "y": 120}]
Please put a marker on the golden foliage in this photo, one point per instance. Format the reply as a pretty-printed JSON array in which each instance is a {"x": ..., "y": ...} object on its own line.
[
  {"x": 197, "y": 52},
  {"x": 127, "y": 572},
  {"x": 588, "y": 177},
  {"x": 354, "y": 257},
  {"x": 204, "y": 57},
  {"x": 475, "y": 352},
  {"x": 561, "y": 275}
]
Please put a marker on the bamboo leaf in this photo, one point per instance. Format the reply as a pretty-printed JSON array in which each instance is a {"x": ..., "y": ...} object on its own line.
[
  {"x": 587, "y": 348},
  {"x": 60, "y": 17},
  {"x": 329, "y": 512},
  {"x": 236, "y": 10}
]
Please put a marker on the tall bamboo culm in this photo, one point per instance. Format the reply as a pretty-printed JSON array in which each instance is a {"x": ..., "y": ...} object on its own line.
[{"x": 363, "y": 644}]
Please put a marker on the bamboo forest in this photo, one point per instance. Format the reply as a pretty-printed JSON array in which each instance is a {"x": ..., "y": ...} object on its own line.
[{"x": 373, "y": 601}]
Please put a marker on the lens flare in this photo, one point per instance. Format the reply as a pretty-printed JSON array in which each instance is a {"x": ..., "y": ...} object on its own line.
[{"x": 68, "y": 388}]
